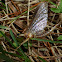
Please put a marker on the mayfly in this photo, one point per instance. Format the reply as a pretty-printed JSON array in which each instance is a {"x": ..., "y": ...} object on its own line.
[{"x": 40, "y": 20}]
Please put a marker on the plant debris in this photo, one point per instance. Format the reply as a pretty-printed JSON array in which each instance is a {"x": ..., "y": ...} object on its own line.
[{"x": 15, "y": 18}]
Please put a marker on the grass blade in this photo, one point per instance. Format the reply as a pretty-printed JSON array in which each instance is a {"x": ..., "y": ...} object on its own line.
[
  {"x": 2, "y": 3},
  {"x": 4, "y": 27},
  {"x": 60, "y": 37},
  {"x": 7, "y": 39},
  {"x": 3, "y": 56},
  {"x": 6, "y": 58},
  {"x": 46, "y": 40},
  {"x": 13, "y": 37},
  {"x": 56, "y": 10},
  {"x": 52, "y": 3}
]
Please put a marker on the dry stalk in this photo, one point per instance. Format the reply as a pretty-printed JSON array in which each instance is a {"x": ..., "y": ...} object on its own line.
[
  {"x": 28, "y": 13},
  {"x": 31, "y": 59},
  {"x": 14, "y": 28},
  {"x": 10, "y": 18},
  {"x": 22, "y": 44},
  {"x": 5, "y": 48}
]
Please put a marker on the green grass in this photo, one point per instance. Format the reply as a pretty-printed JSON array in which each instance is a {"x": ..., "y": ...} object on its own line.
[
  {"x": 58, "y": 9},
  {"x": 19, "y": 50},
  {"x": 3, "y": 6}
]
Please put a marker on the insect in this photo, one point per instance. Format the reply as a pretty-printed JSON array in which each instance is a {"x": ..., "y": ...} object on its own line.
[{"x": 40, "y": 20}]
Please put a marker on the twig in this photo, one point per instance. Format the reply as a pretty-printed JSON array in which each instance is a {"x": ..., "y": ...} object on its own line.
[
  {"x": 14, "y": 28},
  {"x": 6, "y": 7},
  {"x": 31, "y": 7},
  {"x": 5, "y": 48},
  {"x": 10, "y": 18},
  {"x": 22, "y": 44},
  {"x": 31, "y": 59},
  {"x": 28, "y": 13}
]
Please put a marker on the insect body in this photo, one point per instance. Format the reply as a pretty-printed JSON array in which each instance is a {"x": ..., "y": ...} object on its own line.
[{"x": 40, "y": 20}]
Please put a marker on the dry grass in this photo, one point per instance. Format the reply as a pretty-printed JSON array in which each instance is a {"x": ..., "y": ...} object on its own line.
[{"x": 51, "y": 52}]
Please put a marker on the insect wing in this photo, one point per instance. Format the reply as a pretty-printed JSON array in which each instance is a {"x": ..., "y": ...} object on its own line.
[{"x": 40, "y": 20}]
